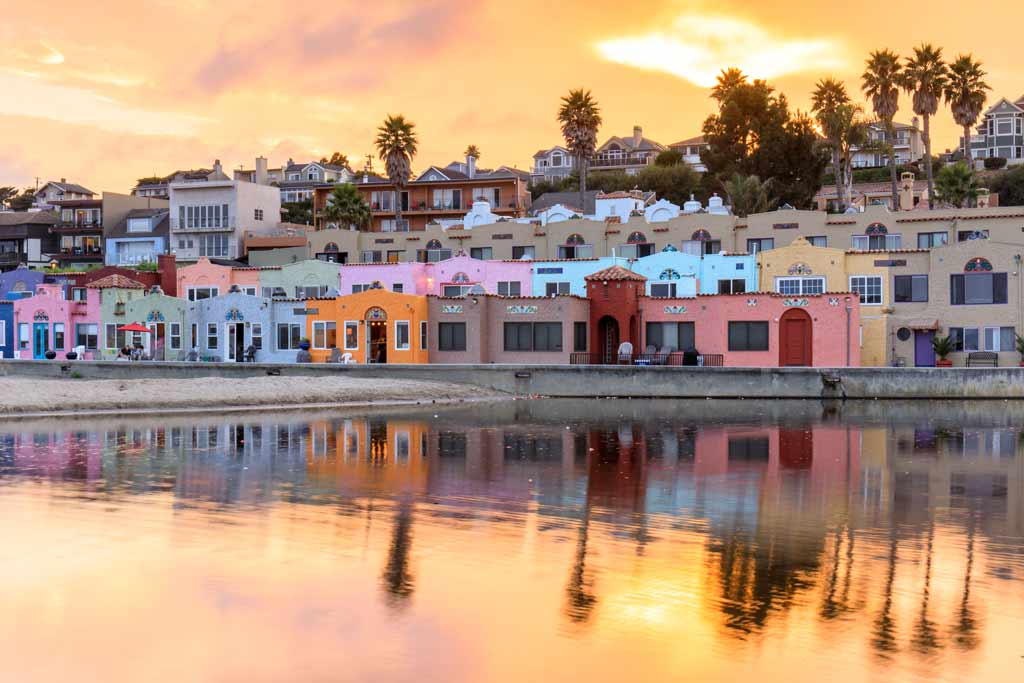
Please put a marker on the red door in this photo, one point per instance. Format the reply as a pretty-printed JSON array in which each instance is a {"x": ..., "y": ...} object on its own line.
[{"x": 795, "y": 338}]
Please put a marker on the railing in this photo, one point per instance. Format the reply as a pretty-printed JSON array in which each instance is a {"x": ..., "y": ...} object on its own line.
[
  {"x": 675, "y": 358},
  {"x": 627, "y": 160},
  {"x": 79, "y": 225},
  {"x": 177, "y": 226},
  {"x": 11, "y": 258}
]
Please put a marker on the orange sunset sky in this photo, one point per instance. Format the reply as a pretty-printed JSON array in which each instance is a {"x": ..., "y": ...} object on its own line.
[{"x": 104, "y": 93}]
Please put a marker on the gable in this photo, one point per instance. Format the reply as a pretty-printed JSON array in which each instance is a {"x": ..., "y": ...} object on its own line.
[
  {"x": 432, "y": 174},
  {"x": 1003, "y": 106}
]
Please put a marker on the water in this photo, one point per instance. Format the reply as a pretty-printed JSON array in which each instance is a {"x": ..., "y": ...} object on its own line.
[{"x": 526, "y": 541}]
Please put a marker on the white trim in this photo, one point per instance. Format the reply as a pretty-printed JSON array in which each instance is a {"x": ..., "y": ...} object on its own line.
[
  {"x": 424, "y": 335},
  {"x": 408, "y": 335},
  {"x": 344, "y": 340},
  {"x": 881, "y": 288}
]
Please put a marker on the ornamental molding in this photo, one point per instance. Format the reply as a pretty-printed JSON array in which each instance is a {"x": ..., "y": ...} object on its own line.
[
  {"x": 794, "y": 302},
  {"x": 521, "y": 310},
  {"x": 675, "y": 310},
  {"x": 451, "y": 308}
]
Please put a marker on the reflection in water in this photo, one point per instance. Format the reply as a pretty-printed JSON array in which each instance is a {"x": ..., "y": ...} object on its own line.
[{"x": 897, "y": 533}]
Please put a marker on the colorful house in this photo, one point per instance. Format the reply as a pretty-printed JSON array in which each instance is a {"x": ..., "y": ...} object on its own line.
[
  {"x": 301, "y": 280},
  {"x": 204, "y": 279},
  {"x": 404, "y": 278},
  {"x": 450, "y": 277},
  {"x": 374, "y": 326},
  {"x": 566, "y": 276},
  {"x": 6, "y": 329},
  {"x": 48, "y": 321},
  {"x": 226, "y": 325},
  {"x": 115, "y": 292},
  {"x": 170, "y": 336},
  {"x": 20, "y": 282}
]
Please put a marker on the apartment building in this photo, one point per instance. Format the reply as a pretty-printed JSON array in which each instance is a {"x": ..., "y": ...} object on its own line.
[
  {"x": 213, "y": 217},
  {"x": 297, "y": 181},
  {"x": 82, "y": 224},
  {"x": 1000, "y": 132},
  {"x": 907, "y": 145},
  {"x": 629, "y": 154},
  {"x": 438, "y": 194},
  {"x": 159, "y": 188}
]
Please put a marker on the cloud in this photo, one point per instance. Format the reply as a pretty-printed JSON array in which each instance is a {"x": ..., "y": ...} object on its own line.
[{"x": 697, "y": 47}]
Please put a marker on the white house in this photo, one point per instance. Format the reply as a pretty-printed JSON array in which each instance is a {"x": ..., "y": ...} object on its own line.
[
  {"x": 552, "y": 164},
  {"x": 51, "y": 192}
]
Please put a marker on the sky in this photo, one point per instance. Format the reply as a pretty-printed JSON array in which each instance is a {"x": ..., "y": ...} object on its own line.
[{"x": 104, "y": 95}]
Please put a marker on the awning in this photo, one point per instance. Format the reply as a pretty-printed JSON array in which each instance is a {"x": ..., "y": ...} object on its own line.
[{"x": 918, "y": 324}]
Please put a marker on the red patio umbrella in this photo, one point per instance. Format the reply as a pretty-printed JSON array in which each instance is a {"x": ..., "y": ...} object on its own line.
[{"x": 133, "y": 327}]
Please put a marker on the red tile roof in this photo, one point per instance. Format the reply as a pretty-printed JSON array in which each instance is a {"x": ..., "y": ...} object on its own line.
[
  {"x": 116, "y": 280},
  {"x": 616, "y": 273}
]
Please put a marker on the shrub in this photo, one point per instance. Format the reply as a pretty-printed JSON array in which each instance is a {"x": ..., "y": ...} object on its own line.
[{"x": 994, "y": 162}]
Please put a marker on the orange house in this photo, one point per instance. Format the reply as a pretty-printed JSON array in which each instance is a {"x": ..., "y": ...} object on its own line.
[{"x": 373, "y": 326}]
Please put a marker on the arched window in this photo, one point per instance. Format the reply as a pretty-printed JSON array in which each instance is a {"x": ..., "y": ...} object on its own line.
[
  {"x": 637, "y": 238},
  {"x": 376, "y": 313},
  {"x": 669, "y": 274},
  {"x": 701, "y": 235},
  {"x": 876, "y": 229},
  {"x": 574, "y": 239},
  {"x": 331, "y": 247},
  {"x": 434, "y": 244},
  {"x": 460, "y": 277},
  {"x": 978, "y": 265}
]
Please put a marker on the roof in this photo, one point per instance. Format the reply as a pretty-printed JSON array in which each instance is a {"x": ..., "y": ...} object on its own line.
[
  {"x": 568, "y": 199},
  {"x": 545, "y": 152},
  {"x": 627, "y": 142},
  {"x": 616, "y": 273},
  {"x": 67, "y": 187},
  {"x": 883, "y": 188},
  {"x": 27, "y": 218},
  {"x": 116, "y": 280},
  {"x": 698, "y": 140}
]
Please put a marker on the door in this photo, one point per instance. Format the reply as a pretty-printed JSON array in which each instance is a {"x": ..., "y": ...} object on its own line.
[
  {"x": 377, "y": 346},
  {"x": 156, "y": 341},
  {"x": 608, "y": 330},
  {"x": 41, "y": 340},
  {"x": 236, "y": 342},
  {"x": 795, "y": 338},
  {"x": 924, "y": 354}
]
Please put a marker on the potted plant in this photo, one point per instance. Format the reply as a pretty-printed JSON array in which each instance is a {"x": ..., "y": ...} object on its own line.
[
  {"x": 943, "y": 346},
  {"x": 50, "y": 354},
  {"x": 71, "y": 355},
  {"x": 304, "y": 343},
  {"x": 1020, "y": 349}
]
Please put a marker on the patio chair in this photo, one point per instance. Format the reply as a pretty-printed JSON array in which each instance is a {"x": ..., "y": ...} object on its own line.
[
  {"x": 625, "y": 353},
  {"x": 335, "y": 355},
  {"x": 347, "y": 359},
  {"x": 664, "y": 354}
]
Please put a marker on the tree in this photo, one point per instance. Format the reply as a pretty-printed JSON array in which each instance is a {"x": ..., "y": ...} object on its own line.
[
  {"x": 965, "y": 93},
  {"x": 881, "y": 83},
  {"x": 747, "y": 194},
  {"x": 396, "y": 146},
  {"x": 297, "y": 212},
  {"x": 957, "y": 184},
  {"x": 7, "y": 193},
  {"x": 580, "y": 118},
  {"x": 1009, "y": 185},
  {"x": 23, "y": 201},
  {"x": 925, "y": 77},
  {"x": 829, "y": 103},
  {"x": 670, "y": 157},
  {"x": 150, "y": 180},
  {"x": 336, "y": 159},
  {"x": 754, "y": 133},
  {"x": 472, "y": 151},
  {"x": 346, "y": 207}
]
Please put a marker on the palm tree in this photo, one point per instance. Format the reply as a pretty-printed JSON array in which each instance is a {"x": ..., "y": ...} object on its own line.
[
  {"x": 346, "y": 207},
  {"x": 472, "y": 151},
  {"x": 965, "y": 93},
  {"x": 580, "y": 118},
  {"x": 828, "y": 96},
  {"x": 881, "y": 83},
  {"x": 925, "y": 77},
  {"x": 747, "y": 194},
  {"x": 396, "y": 147},
  {"x": 957, "y": 184},
  {"x": 728, "y": 79}
]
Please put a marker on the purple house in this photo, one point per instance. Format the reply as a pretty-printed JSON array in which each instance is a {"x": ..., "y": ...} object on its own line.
[{"x": 20, "y": 282}]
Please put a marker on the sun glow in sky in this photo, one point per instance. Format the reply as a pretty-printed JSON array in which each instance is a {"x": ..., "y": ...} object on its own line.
[{"x": 150, "y": 86}]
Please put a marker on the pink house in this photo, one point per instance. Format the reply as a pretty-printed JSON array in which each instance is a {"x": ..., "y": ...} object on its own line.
[
  {"x": 451, "y": 277},
  {"x": 204, "y": 279},
  {"x": 49, "y": 322}
]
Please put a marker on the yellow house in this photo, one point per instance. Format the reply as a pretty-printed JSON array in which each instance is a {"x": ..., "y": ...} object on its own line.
[
  {"x": 802, "y": 268},
  {"x": 373, "y": 326}
]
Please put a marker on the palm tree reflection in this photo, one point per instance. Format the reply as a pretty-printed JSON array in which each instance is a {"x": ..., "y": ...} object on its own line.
[
  {"x": 397, "y": 579},
  {"x": 966, "y": 629}
]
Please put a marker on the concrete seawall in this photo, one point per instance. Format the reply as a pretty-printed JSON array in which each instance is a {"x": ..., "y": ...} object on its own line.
[{"x": 590, "y": 381}]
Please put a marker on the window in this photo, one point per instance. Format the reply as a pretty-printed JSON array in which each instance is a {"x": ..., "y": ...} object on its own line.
[
  {"x": 748, "y": 448},
  {"x": 1000, "y": 339},
  {"x": 114, "y": 338},
  {"x": 356, "y": 289},
  {"x": 200, "y": 293},
  {"x": 869, "y": 287},
  {"x": 433, "y": 255},
  {"x": 24, "y": 337},
  {"x": 78, "y": 293},
  {"x": 194, "y": 340},
  {"x": 423, "y": 335},
  {"x": 575, "y": 251},
  {"x": 87, "y": 335},
  {"x": 211, "y": 336},
  {"x": 579, "y": 336},
  {"x": 58, "y": 336},
  {"x": 663, "y": 289},
  {"x": 635, "y": 250},
  {"x": 288, "y": 336},
  {"x": 966, "y": 235},
  {"x": 370, "y": 257},
  {"x": 762, "y": 244},
  {"x": 978, "y": 288},
  {"x": 257, "y": 214},
  {"x": 702, "y": 247},
  {"x": 794, "y": 286},
  {"x": 509, "y": 288},
  {"x": 877, "y": 242},
  {"x": 455, "y": 290},
  {"x": 311, "y": 291},
  {"x": 351, "y": 335},
  {"x": 451, "y": 336},
  {"x": 324, "y": 334},
  {"x": 481, "y": 253},
  {"x": 818, "y": 241},
  {"x": 176, "y": 336},
  {"x": 397, "y": 288},
  {"x": 927, "y": 240},
  {"x": 395, "y": 255},
  {"x": 556, "y": 288},
  {"x": 523, "y": 253},
  {"x": 965, "y": 338},
  {"x": 673, "y": 336},
  {"x": 748, "y": 336},
  {"x": 255, "y": 334},
  {"x": 139, "y": 225},
  {"x": 213, "y": 246},
  {"x": 910, "y": 288},
  {"x": 734, "y": 286},
  {"x": 533, "y": 336},
  {"x": 402, "y": 342}
]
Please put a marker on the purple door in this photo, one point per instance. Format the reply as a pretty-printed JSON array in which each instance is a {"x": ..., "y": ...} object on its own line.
[{"x": 924, "y": 354}]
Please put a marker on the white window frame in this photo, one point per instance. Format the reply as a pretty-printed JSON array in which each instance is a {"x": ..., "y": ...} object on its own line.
[
  {"x": 672, "y": 289},
  {"x": 996, "y": 338},
  {"x": 324, "y": 326},
  {"x": 344, "y": 339},
  {"x": 408, "y": 335},
  {"x": 881, "y": 291},
  {"x": 424, "y": 340},
  {"x": 213, "y": 292},
  {"x": 174, "y": 333},
  {"x": 256, "y": 334},
  {"x": 3, "y": 332},
  {"x": 216, "y": 337},
  {"x": 802, "y": 279}
]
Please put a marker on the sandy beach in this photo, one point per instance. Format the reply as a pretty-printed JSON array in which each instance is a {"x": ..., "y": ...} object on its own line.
[{"x": 24, "y": 395}]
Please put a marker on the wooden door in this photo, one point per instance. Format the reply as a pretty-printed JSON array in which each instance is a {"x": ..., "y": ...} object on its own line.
[{"x": 795, "y": 339}]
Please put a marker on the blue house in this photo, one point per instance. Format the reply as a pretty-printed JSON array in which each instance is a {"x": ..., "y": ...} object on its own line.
[
  {"x": 565, "y": 276},
  {"x": 6, "y": 329},
  {"x": 726, "y": 273},
  {"x": 19, "y": 283}
]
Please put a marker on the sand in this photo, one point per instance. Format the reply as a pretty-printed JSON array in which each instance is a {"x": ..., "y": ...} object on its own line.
[{"x": 23, "y": 395}]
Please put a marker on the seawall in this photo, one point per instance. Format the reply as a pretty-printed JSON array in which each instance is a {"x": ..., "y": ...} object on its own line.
[{"x": 590, "y": 381}]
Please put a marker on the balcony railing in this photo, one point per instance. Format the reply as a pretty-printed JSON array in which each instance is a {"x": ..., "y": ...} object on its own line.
[
  {"x": 8, "y": 258},
  {"x": 626, "y": 160},
  {"x": 178, "y": 226},
  {"x": 675, "y": 359},
  {"x": 79, "y": 225}
]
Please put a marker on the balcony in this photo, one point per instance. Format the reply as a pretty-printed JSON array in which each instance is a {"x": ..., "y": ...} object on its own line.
[
  {"x": 622, "y": 161},
  {"x": 178, "y": 226},
  {"x": 76, "y": 254},
  {"x": 77, "y": 227},
  {"x": 10, "y": 259}
]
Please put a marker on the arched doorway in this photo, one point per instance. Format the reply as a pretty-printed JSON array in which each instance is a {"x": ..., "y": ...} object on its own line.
[
  {"x": 376, "y": 335},
  {"x": 795, "y": 338},
  {"x": 608, "y": 336}
]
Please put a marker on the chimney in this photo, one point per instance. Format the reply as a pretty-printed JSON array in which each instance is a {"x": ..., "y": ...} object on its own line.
[
  {"x": 167, "y": 270},
  {"x": 638, "y": 135},
  {"x": 63, "y": 180},
  {"x": 260, "y": 177},
  {"x": 914, "y": 122},
  {"x": 471, "y": 166},
  {"x": 217, "y": 169}
]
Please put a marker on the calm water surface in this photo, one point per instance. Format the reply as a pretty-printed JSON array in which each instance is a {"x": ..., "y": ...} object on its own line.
[{"x": 528, "y": 541}]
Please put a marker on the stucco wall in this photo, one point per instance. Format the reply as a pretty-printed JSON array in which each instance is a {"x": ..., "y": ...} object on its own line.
[{"x": 309, "y": 273}]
